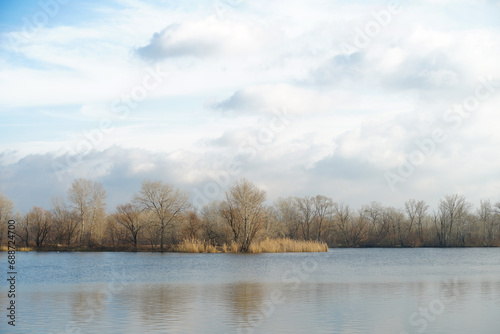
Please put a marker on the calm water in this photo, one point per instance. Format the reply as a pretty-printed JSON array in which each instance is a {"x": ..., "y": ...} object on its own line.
[{"x": 343, "y": 291}]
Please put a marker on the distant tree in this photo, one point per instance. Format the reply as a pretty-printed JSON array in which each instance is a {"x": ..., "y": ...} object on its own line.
[
  {"x": 287, "y": 214},
  {"x": 306, "y": 211},
  {"x": 350, "y": 229},
  {"x": 489, "y": 222},
  {"x": 244, "y": 212},
  {"x": 152, "y": 230},
  {"x": 373, "y": 214},
  {"x": 132, "y": 219},
  {"x": 88, "y": 199},
  {"x": 191, "y": 226},
  {"x": 65, "y": 222},
  {"x": 323, "y": 212},
  {"x": 416, "y": 211},
  {"x": 358, "y": 229},
  {"x": 342, "y": 219},
  {"x": 401, "y": 228},
  {"x": 40, "y": 223},
  {"x": 165, "y": 202},
  {"x": 213, "y": 226},
  {"x": 23, "y": 229},
  {"x": 452, "y": 212},
  {"x": 6, "y": 212}
]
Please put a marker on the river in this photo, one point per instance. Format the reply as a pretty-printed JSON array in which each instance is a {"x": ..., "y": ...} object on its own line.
[{"x": 400, "y": 291}]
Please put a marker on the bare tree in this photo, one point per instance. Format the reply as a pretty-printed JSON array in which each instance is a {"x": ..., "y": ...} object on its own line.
[
  {"x": 88, "y": 199},
  {"x": 65, "y": 222},
  {"x": 40, "y": 223},
  {"x": 389, "y": 224},
  {"x": 395, "y": 219},
  {"x": 358, "y": 229},
  {"x": 214, "y": 228},
  {"x": 323, "y": 211},
  {"x": 342, "y": 221},
  {"x": 416, "y": 211},
  {"x": 6, "y": 211},
  {"x": 489, "y": 222},
  {"x": 165, "y": 202},
  {"x": 130, "y": 217},
  {"x": 244, "y": 212},
  {"x": 287, "y": 213},
  {"x": 152, "y": 230},
  {"x": 306, "y": 211},
  {"x": 452, "y": 211},
  {"x": 273, "y": 227},
  {"x": 373, "y": 214},
  {"x": 191, "y": 226},
  {"x": 350, "y": 229},
  {"x": 24, "y": 229}
]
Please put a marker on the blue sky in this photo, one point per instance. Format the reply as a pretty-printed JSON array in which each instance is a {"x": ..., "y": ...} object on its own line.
[{"x": 348, "y": 99}]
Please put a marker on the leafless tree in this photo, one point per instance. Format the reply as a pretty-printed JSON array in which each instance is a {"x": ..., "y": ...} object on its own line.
[
  {"x": 6, "y": 212},
  {"x": 287, "y": 214},
  {"x": 40, "y": 223},
  {"x": 132, "y": 219},
  {"x": 342, "y": 221},
  {"x": 351, "y": 229},
  {"x": 244, "y": 212},
  {"x": 191, "y": 226},
  {"x": 88, "y": 199},
  {"x": 65, "y": 221},
  {"x": 401, "y": 228},
  {"x": 214, "y": 227},
  {"x": 24, "y": 229},
  {"x": 306, "y": 211},
  {"x": 387, "y": 230},
  {"x": 489, "y": 222},
  {"x": 452, "y": 212},
  {"x": 323, "y": 212},
  {"x": 373, "y": 214},
  {"x": 358, "y": 229},
  {"x": 416, "y": 211},
  {"x": 152, "y": 230},
  {"x": 165, "y": 202}
]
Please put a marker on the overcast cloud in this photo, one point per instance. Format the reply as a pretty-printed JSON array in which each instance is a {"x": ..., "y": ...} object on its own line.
[{"x": 356, "y": 100}]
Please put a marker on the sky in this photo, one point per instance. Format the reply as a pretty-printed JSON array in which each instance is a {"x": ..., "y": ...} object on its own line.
[{"x": 359, "y": 101}]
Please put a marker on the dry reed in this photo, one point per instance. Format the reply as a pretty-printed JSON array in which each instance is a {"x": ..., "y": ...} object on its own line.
[
  {"x": 195, "y": 246},
  {"x": 282, "y": 245},
  {"x": 5, "y": 248},
  {"x": 285, "y": 245}
]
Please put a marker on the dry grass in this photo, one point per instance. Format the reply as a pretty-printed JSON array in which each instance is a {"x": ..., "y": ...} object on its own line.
[
  {"x": 287, "y": 245},
  {"x": 233, "y": 247},
  {"x": 5, "y": 248},
  {"x": 265, "y": 246},
  {"x": 199, "y": 246},
  {"x": 195, "y": 246}
]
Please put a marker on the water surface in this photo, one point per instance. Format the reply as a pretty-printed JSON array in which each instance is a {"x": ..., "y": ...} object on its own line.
[{"x": 342, "y": 291}]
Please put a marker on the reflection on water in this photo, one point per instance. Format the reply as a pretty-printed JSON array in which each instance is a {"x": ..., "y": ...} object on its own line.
[{"x": 279, "y": 293}]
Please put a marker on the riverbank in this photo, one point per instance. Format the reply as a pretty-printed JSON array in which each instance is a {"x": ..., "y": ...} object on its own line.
[{"x": 281, "y": 245}]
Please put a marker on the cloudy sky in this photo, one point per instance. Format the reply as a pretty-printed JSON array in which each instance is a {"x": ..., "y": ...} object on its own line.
[{"x": 356, "y": 100}]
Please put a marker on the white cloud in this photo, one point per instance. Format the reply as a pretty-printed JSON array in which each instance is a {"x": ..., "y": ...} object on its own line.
[
  {"x": 351, "y": 117},
  {"x": 208, "y": 37}
]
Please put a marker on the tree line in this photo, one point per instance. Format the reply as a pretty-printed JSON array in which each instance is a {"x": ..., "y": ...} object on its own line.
[{"x": 160, "y": 216}]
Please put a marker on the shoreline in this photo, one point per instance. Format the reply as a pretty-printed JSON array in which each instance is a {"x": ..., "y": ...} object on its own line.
[{"x": 50, "y": 249}]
